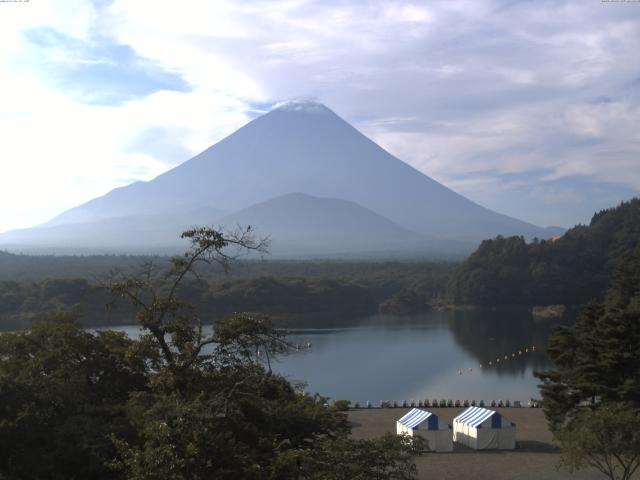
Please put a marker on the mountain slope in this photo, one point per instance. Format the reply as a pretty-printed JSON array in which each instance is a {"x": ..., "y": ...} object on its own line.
[
  {"x": 302, "y": 147},
  {"x": 305, "y": 225},
  {"x": 151, "y": 233}
]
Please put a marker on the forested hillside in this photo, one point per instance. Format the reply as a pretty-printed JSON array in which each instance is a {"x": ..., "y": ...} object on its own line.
[
  {"x": 22, "y": 303},
  {"x": 31, "y": 287},
  {"x": 79, "y": 404},
  {"x": 570, "y": 270}
]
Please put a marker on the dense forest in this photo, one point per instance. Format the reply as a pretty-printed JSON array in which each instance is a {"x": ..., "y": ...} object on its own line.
[
  {"x": 31, "y": 286},
  {"x": 175, "y": 403},
  {"x": 569, "y": 270},
  {"x": 591, "y": 394}
]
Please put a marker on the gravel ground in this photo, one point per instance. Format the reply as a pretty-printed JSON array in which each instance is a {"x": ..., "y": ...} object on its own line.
[{"x": 535, "y": 458}]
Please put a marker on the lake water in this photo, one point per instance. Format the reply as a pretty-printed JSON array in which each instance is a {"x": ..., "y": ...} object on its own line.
[{"x": 429, "y": 356}]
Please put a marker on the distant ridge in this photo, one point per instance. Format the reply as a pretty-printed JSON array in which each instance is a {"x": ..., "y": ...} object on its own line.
[
  {"x": 297, "y": 147},
  {"x": 304, "y": 225}
]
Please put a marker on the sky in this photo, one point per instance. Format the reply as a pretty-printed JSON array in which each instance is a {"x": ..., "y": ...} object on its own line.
[{"x": 530, "y": 108}]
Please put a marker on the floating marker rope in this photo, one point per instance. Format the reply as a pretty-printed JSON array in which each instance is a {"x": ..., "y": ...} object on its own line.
[{"x": 503, "y": 358}]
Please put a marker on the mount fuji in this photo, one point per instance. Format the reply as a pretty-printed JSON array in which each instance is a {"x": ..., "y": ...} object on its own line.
[{"x": 300, "y": 174}]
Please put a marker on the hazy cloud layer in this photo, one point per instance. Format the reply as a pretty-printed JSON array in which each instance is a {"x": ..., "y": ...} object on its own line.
[
  {"x": 530, "y": 108},
  {"x": 101, "y": 73}
]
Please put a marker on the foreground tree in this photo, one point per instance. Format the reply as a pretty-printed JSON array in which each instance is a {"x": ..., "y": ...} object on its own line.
[
  {"x": 593, "y": 392},
  {"x": 181, "y": 402},
  {"x": 386, "y": 458},
  {"x": 606, "y": 438},
  {"x": 170, "y": 325},
  {"x": 63, "y": 392}
]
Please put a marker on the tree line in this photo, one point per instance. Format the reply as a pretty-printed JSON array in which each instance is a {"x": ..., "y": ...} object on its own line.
[
  {"x": 177, "y": 403},
  {"x": 591, "y": 395},
  {"x": 570, "y": 270},
  {"x": 21, "y": 303},
  {"x": 180, "y": 404},
  {"x": 285, "y": 290}
]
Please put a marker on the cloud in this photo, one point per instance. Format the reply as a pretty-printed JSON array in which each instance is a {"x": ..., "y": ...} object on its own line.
[
  {"x": 98, "y": 72},
  {"x": 162, "y": 143},
  {"x": 491, "y": 97}
]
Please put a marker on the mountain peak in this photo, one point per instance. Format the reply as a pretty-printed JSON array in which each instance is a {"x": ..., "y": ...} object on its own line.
[
  {"x": 300, "y": 146},
  {"x": 306, "y": 106}
]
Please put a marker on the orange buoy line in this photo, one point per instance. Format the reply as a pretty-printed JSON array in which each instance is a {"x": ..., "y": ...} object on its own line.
[{"x": 504, "y": 358}]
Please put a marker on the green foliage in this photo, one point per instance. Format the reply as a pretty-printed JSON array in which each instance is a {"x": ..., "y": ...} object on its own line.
[
  {"x": 591, "y": 397},
  {"x": 341, "y": 405},
  {"x": 284, "y": 290},
  {"x": 22, "y": 303},
  {"x": 278, "y": 296},
  {"x": 62, "y": 393},
  {"x": 571, "y": 270},
  {"x": 175, "y": 404},
  {"x": 426, "y": 290},
  {"x": 405, "y": 302},
  {"x": 228, "y": 425},
  {"x": 386, "y": 458},
  {"x": 598, "y": 358},
  {"x": 607, "y": 438},
  {"x": 29, "y": 268}
]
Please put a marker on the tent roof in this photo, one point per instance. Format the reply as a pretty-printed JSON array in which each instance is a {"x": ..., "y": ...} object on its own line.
[
  {"x": 474, "y": 416},
  {"x": 414, "y": 417}
]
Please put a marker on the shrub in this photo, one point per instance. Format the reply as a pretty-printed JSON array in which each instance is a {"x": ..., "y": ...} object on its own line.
[{"x": 341, "y": 405}]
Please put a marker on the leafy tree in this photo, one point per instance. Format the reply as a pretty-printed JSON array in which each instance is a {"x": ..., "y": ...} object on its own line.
[
  {"x": 570, "y": 270},
  {"x": 269, "y": 294},
  {"x": 62, "y": 393},
  {"x": 215, "y": 408},
  {"x": 598, "y": 358},
  {"x": 385, "y": 458},
  {"x": 178, "y": 403},
  {"x": 606, "y": 438},
  {"x": 286, "y": 290},
  {"x": 594, "y": 386}
]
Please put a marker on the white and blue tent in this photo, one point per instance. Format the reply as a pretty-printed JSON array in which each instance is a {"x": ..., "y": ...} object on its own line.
[
  {"x": 481, "y": 429},
  {"x": 427, "y": 425}
]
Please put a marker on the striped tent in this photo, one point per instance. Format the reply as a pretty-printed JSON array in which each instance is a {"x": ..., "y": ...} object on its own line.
[
  {"x": 481, "y": 429},
  {"x": 426, "y": 424}
]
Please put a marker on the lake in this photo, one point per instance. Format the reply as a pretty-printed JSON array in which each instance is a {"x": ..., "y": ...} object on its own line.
[{"x": 428, "y": 356}]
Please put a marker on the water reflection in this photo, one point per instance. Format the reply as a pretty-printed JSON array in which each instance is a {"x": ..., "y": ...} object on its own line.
[
  {"x": 489, "y": 334},
  {"x": 428, "y": 356},
  {"x": 424, "y": 356}
]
